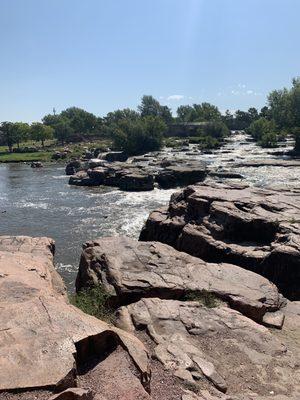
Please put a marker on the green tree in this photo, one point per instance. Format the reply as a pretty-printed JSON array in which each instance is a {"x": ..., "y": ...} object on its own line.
[
  {"x": 284, "y": 106},
  {"x": 280, "y": 108},
  {"x": 206, "y": 112},
  {"x": 80, "y": 120},
  {"x": 198, "y": 113},
  {"x": 185, "y": 113},
  {"x": 7, "y": 134},
  {"x": 228, "y": 120},
  {"x": 265, "y": 112},
  {"x": 41, "y": 132},
  {"x": 139, "y": 136},
  {"x": 264, "y": 132},
  {"x": 115, "y": 117},
  {"x": 21, "y": 132},
  {"x": 63, "y": 130},
  {"x": 151, "y": 107}
]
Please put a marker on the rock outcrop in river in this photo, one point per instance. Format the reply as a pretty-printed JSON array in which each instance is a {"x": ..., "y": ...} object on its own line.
[
  {"x": 140, "y": 174},
  {"x": 44, "y": 341},
  {"x": 257, "y": 229},
  {"x": 202, "y": 321}
]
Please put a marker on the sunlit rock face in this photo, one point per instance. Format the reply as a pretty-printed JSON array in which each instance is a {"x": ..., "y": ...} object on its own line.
[
  {"x": 257, "y": 229},
  {"x": 44, "y": 339}
]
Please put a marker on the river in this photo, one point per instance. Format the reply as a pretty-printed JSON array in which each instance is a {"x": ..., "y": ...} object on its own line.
[{"x": 39, "y": 202}]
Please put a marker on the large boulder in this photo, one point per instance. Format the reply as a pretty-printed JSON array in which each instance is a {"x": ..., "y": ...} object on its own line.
[
  {"x": 130, "y": 270},
  {"x": 136, "y": 181},
  {"x": 43, "y": 339},
  {"x": 73, "y": 166},
  {"x": 113, "y": 156},
  {"x": 181, "y": 174},
  {"x": 216, "y": 346},
  {"x": 257, "y": 229},
  {"x": 82, "y": 178}
]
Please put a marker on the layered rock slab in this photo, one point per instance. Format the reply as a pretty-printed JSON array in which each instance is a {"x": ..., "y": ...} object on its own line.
[
  {"x": 257, "y": 229},
  {"x": 232, "y": 352},
  {"x": 42, "y": 337},
  {"x": 130, "y": 270}
]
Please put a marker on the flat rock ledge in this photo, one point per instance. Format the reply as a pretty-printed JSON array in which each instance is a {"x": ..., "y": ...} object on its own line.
[
  {"x": 131, "y": 270},
  {"x": 257, "y": 229},
  {"x": 44, "y": 339}
]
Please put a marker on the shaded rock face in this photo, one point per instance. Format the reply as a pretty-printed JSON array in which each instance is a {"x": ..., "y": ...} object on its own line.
[
  {"x": 43, "y": 339},
  {"x": 130, "y": 270},
  {"x": 233, "y": 353},
  {"x": 180, "y": 175},
  {"x": 73, "y": 166},
  {"x": 115, "y": 156},
  {"x": 257, "y": 229},
  {"x": 125, "y": 177}
]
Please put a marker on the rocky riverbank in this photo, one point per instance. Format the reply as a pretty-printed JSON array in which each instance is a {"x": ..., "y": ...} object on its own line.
[
  {"x": 200, "y": 330},
  {"x": 206, "y": 304}
]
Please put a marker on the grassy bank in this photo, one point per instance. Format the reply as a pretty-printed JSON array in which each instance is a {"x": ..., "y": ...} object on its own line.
[{"x": 45, "y": 154}]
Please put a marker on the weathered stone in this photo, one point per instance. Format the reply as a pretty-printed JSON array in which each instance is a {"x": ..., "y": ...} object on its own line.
[
  {"x": 73, "y": 166},
  {"x": 274, "y": 319},
  {"x": 136, "y": 182},
  {"x": 239, "y": 354},
  {"x": 115, "y": 156},
  {"x": 226, "y": 174},
  {"x": 74, "y": 394},
  {"x": 257, "y": 229},
  {"x": 36, "y": 164},
  {"x": 268, "y": 163},
  {"x": 81, "y": 178},
  {"x": 208, "y": 369},
  {"x": 131, "y": 270},
  {"x": 42, "y": 337},
  {"x": 183, "y": 174}
]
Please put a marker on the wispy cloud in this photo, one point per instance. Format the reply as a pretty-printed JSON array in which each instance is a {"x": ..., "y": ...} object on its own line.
[
  {"x": 175, "y": 97},
  {"x": 241, "y": 90}
]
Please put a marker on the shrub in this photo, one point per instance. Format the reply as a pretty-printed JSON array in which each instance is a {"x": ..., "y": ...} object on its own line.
[
  {"x": 94, "y": 301},
  {"x": 215, "y": 129},
  {"x": 264, "y": 132}
]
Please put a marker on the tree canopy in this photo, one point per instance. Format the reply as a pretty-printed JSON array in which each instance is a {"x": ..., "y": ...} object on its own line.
[
  {"x": 141, "y": 135},
  {"x": 151, "y": 107},
  {"x": 198, "y": 113}
]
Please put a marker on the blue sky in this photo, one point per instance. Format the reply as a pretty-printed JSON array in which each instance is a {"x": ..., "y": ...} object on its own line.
[{"x": 105, "y": 54}]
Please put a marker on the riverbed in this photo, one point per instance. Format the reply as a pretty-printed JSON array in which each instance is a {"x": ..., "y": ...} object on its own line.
[{"x": 39, "y": 202}]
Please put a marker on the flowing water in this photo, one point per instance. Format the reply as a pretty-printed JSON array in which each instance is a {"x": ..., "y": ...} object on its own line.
[{"x": 39, "y": 202}]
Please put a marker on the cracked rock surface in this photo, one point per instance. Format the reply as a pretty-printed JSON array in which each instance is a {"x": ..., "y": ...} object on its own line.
[
  {"x": 257, "y": 229},
  {"x": 235, "y": 354},
  {"x": 42, "y": 337},
  {"x": 130, "y": 270}
]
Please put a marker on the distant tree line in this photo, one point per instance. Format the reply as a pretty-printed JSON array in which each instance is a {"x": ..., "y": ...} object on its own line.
[{"x": 142, "y": 130}]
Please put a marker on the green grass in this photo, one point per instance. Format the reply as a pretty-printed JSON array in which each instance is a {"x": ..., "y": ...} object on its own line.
[
  {"x": 51, "y": 147},
  {"x": 94, "y": 301},
  {"x": 204, "y": 297},
  {"x": 25, "y": 157}
]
